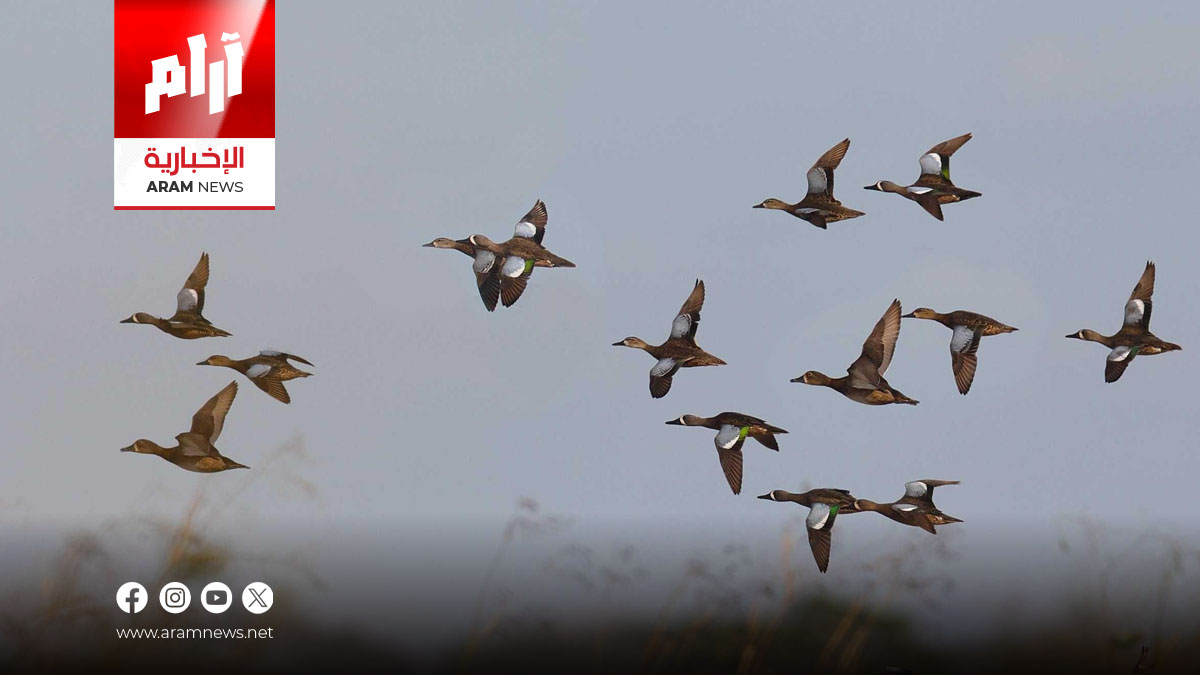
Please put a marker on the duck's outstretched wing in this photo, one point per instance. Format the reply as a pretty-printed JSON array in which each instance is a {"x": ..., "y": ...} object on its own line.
[
  {"x": 487, "y": 277},
  {"x": 514, "y": 276},
  {"x": 284, "y": 355},
  {"x": 190, "y": 299},
  {"x": 1118, "y": 361},
  {"x": 1137, "y": 309},
  {"x": 935, "y": 164},
  {"x": 661, "y": 375},
  {"x": 881, "y": 344},
  {"x": 964, "y": 343},
  {"x": 273, "y": 386},
  {"x": 729, "y": 441},
  {"x": 920, "y": 492},
  {"x": 928, "y": 201},
  {"x": 820, "y": 176},
  {"x": 533, "y": 224},
  {"x": 688, "y": 320},
  {"x": 820, "y": 532},
  {"x": 210, "y": 419}
]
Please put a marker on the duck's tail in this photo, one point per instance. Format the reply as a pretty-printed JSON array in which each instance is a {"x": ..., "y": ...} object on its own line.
[
  {"x": 964, "y": 195},
  {"x": 557, "y": 261},
  {"x": 901, "y": 398}
]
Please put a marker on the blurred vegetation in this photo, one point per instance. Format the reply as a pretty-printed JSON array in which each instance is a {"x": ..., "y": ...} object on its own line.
[
  {"x": 67, "y": 620},
  {"x": 1131, "y": 606}
]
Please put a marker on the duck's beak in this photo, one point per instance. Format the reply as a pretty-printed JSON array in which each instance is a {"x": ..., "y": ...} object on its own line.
[
  {"x": 202, "y": 363},
  {"x": 1074, "y": 335},
  {"x": 675, "y": 422},
  {"x": 129, "y": 320},
  {"x": 767, "y": 496},
  {"x": 797, "y": 379},
  {"x": 619, "y": 344},
  {"x": 429, "y": 245},
  {"x": 871, "y": 187},
  {"x": 757, "y": 206},
  {"x": 128, "y": 448},
  {"x": 910, "y": 315}
]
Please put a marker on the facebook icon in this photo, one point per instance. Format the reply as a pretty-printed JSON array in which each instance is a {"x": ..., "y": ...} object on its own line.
[{"x": 132, "y": 597}]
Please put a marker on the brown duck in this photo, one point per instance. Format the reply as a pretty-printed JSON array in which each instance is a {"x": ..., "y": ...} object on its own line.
[
  {"x": 968, "y": 328},
  {"x": 488, "y": 276},
  {"x": 819, "y": 206},
  {"x": 864, "y": 380},
  {"x": 824, "y": 504},
  {"x": 915, "y": 508},
  {"x": 680, "y": 350},
  {"x": 1135, "y": 337},
  {"x": 934, "y": 187},
  {"x": 195, "y": 450},
  {"x": 732, "y": 430},
  {"x": 187, "y": 323},
  {"x": 516, "y": 258},
  {"x": 268, "y": 371}
]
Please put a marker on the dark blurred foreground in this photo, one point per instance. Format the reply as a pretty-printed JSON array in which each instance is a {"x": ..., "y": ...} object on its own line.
[{"x": 603, "y": 608}]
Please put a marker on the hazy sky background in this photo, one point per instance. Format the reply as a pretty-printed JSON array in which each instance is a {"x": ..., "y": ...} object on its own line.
[{"x": 650, "y": 131}]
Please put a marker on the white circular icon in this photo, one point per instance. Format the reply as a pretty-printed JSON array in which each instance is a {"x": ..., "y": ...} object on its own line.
[
  {"x": 174, "y": 597},
  {"x": 258, "y": 598},
  {"x": 132, "y": 597},
  {"x": 216, "y": 597}
]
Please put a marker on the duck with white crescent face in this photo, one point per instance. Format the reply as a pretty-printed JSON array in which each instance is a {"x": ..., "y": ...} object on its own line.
[
  {"x": 733, "y": 429},
  {"x": 188, "y": 322},
  {"x": 1134, "y": 338},
  {"x": 824, "y": 505},
  {"x": 933, "y": 187},
  {"x": 502, "y": 270}
]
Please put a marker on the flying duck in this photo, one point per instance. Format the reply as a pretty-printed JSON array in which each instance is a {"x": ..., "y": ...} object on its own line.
[
  {"x": 1135, "y": 337},
  {"x": 933, "y": 188},
  {"x": 864, "y": 378},
  {"x": 487, "y": 272},
  {"x": 514, "y": 260},
  {"x": 824, "y": 504},
  {"x": 680, "y": 350},
  {"x": 486, "y": 279},
  {"x": 819, "y": 206},
  {"x": 915, "y": 508},
  {"x": 732, "y": 430},
  {"x": 195, "y": 450},
  {"x": 968, "y": 328},
  {"x": 268, "y": 371},
  {"x": 187, "y": 323}
]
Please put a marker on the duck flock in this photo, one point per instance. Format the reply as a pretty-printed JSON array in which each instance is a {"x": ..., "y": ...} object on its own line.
[
  {"x": 195, "y": 449},
  {"x": 502, "y": 272}
]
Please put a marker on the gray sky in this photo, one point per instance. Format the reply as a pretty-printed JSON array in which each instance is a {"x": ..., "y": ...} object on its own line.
[{"x": 649, "y": 131}]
